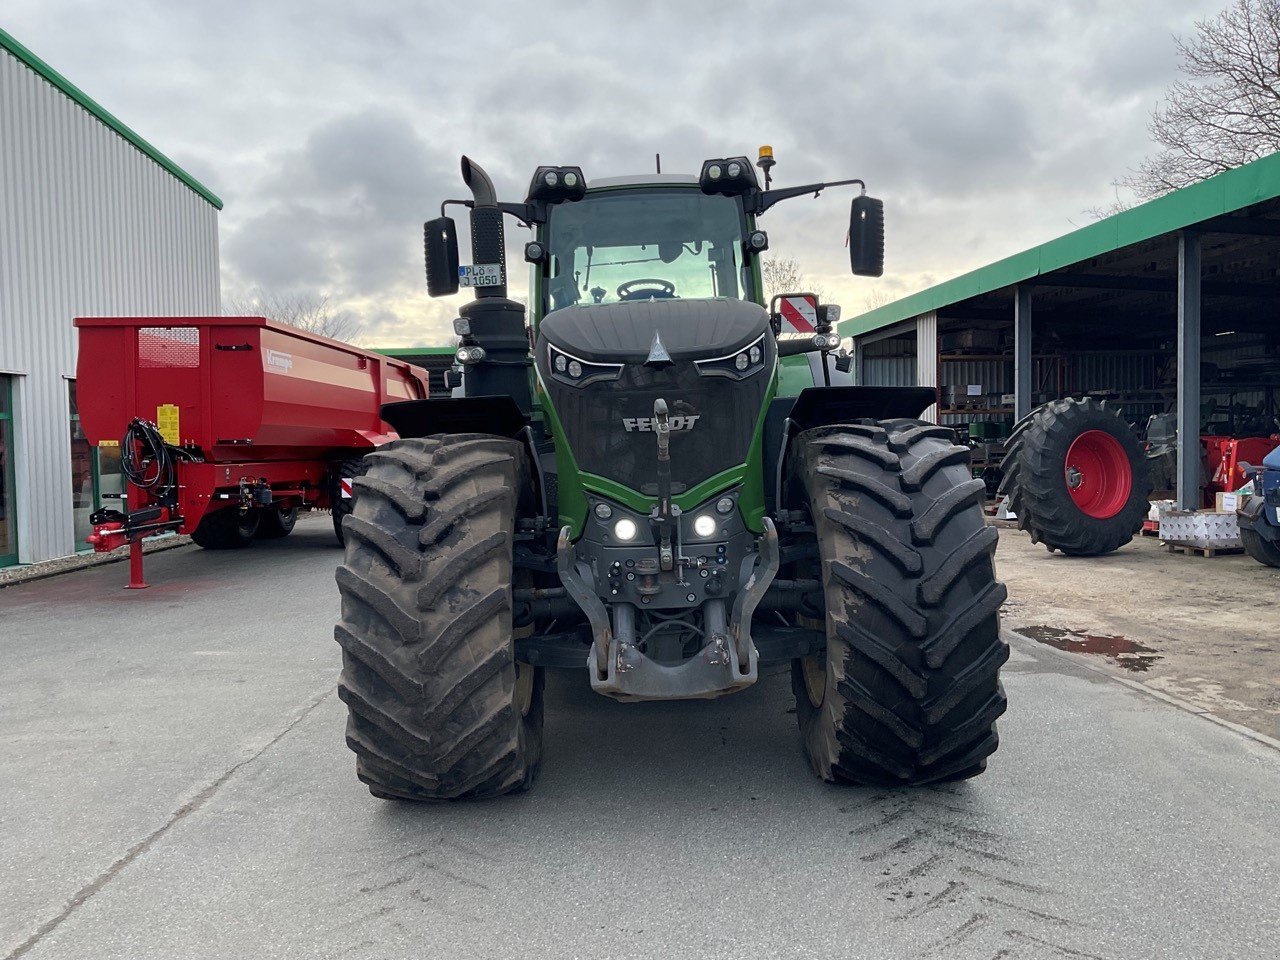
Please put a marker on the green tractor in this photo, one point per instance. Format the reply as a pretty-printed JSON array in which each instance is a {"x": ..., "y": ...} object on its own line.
[{"x": 650, "y": 482}]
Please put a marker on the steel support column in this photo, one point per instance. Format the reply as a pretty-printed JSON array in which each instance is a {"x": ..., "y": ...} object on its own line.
[
  {"x": 1021, "y": 351},
  {"x": 927, "y": 357},
  {"x": 1189, "y": 459}
]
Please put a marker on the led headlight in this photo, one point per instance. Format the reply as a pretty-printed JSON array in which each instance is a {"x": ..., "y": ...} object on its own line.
[
  {"x": 747, "y": 362},
  {"x": 603, "y": 511},
  {"x": 550, "y": 178},
  {"x": 567, "y": 368},
  {"x": 625, "y": 529},
  {"x": 704, "y": 525},
  {"x": 724, "y": 504}
]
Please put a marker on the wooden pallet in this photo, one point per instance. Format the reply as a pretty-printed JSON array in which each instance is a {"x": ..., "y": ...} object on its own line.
[{"x": 1191, "y": 550}]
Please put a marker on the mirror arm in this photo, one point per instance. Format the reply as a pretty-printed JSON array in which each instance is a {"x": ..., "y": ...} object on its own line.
[
  {"x": 526, "y": 213},
  {"x": 765, "y": 200}
]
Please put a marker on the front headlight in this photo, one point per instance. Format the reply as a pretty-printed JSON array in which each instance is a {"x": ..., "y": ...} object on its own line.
[
  {"x": 577, "y": 372},
  {"x": 746, "y": 362}
]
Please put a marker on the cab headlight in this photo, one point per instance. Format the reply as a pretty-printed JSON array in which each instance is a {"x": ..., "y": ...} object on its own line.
[{"x": 625, "y": 529}]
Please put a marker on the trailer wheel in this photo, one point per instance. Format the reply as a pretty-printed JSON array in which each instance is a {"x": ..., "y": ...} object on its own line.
[
  {"x": 273, "y": 523},
  {"x": 341, "y": 497},
  {"x": 438, "y": 708},
  {"x": 1077, "y": 477},
  {"x": 908, "y": 689},
  {"x": 226, "y": 529}
]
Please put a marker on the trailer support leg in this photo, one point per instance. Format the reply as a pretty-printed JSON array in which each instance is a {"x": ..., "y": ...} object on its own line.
[{"x": 135, "y": 567}]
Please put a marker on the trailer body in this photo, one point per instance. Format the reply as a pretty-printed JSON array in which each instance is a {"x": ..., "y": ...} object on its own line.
[{"x": 260, "y": 415}]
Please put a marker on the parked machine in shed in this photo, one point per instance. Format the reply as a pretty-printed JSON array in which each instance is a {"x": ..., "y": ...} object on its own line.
[
  {"x": 229, "y": 426},
  {"x": 647, "y": 483},
  {"x": 1259, "y": 513}
]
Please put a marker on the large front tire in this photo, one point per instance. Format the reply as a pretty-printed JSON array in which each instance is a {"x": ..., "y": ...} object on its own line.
[
  {"x": 438, "y": 707},
  {"x": 908, "y": 690}
]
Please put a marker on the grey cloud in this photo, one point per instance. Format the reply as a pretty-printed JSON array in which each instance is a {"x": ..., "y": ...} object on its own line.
[{"x": 333, "y": 129}]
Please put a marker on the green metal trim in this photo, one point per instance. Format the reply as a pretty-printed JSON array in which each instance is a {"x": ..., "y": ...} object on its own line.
[
  {"x": 685, "y": 501},
  {"x": 1217, "y": 196},
  {"x": 109, "y": 120}
]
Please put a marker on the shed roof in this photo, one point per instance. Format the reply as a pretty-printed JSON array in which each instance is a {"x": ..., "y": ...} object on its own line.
[
  {"x": 1218, "y": 196},
  {"x": 61, "y": 83}
]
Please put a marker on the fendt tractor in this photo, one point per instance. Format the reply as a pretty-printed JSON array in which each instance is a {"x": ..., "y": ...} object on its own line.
[{"x": 647, "y": 481}]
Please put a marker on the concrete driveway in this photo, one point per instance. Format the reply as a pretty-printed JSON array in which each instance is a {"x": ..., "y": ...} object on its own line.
[{"x": 173, "y": 784}]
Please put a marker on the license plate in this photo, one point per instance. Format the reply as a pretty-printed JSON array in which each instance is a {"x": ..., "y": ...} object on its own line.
[{"x": 480, "y": 275}]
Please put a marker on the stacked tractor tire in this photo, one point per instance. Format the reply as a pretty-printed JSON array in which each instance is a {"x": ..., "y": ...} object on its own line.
[{"x": 1077, "y": 478}]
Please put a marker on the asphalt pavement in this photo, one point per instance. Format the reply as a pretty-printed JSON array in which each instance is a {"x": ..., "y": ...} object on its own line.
[{"x": 173, "y": 784}]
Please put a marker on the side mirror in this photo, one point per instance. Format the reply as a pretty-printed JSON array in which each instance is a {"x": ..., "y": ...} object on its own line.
[
  {"x": 440, "y": 244},
  {"x": 866, "y": 236}
]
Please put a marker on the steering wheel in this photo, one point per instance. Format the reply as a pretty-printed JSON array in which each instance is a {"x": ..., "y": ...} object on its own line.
[{"x": 646, "y": 288}]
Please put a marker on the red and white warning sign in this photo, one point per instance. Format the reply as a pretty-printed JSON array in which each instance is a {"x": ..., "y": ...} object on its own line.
[
  {"x": 799, "y": 314},
  {"x": 344, "y": 485}
]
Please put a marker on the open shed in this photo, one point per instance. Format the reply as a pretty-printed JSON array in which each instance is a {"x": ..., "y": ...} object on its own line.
[{"x": 1168, "y": 307}]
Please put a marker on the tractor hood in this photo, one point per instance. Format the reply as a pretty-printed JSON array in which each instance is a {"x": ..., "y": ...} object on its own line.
[{"x": 624, "y": 332}]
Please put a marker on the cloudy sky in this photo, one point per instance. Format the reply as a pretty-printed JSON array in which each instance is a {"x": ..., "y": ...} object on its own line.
[{"x": 333, "y": 129}]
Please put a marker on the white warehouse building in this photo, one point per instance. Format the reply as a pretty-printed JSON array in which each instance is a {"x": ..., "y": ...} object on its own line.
[{"x": 94, "y": 221}]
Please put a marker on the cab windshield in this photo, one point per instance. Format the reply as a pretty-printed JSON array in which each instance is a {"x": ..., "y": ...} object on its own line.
[{"x": 645, "y": 244}]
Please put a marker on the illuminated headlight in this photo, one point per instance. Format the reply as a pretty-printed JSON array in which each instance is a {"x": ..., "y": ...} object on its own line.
[
  {"x": 625, "y": 529},
  {"x": 560, "y": 363},
  {"x": 470, "y": 354},
  {"x": 741, "y": 361},
  {"x": 704, "y": 525},
  {"x": 575, "y": 369},
  {"x": 603, "y": 512},
  {"x": 724, "y": 505}
]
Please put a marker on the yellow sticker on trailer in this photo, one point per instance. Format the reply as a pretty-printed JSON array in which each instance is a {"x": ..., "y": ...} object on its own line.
[
  {"x": 167, "y": 422},
  {"x": 108, "y": 443}
]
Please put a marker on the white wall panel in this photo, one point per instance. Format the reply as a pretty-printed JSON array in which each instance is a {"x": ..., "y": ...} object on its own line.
[{"x": 89, "y": 226}]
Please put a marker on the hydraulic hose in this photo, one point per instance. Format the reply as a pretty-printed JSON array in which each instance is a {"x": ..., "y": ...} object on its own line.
[{"x": 147, "y": 461}]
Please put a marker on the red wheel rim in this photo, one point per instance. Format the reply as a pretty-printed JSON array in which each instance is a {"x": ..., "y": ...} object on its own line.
[{"x": 1098, "y": 474}]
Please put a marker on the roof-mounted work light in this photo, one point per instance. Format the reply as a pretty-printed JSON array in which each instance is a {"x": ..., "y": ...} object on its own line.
[
  {"x": 728, "y": 177},
  {"x": 556, "y": 185}
]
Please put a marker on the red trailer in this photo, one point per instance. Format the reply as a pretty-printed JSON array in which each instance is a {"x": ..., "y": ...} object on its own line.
[{"x": 229, "y": 426}]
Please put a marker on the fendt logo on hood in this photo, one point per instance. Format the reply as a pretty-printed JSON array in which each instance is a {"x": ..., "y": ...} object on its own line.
[{"x": 650, "y": 424}]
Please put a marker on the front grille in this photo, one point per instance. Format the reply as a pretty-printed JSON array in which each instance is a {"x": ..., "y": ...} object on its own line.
[{"x": 593, "y": 420}]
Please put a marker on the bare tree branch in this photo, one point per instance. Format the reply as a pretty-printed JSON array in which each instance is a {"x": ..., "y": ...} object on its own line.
[
  {"x": 1225, "y": 112},
  {"x": 304, "y": 311}
]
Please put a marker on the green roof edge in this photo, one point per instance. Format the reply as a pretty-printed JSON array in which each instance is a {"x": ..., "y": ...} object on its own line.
[
  {"x": 1216, "y": 196},
  {"x": 108, "y": 119}
]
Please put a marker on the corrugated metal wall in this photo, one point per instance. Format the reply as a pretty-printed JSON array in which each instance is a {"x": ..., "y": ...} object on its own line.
[
  {"x": 88, "y": 226},
  {"x": 890, "y": 362}
]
